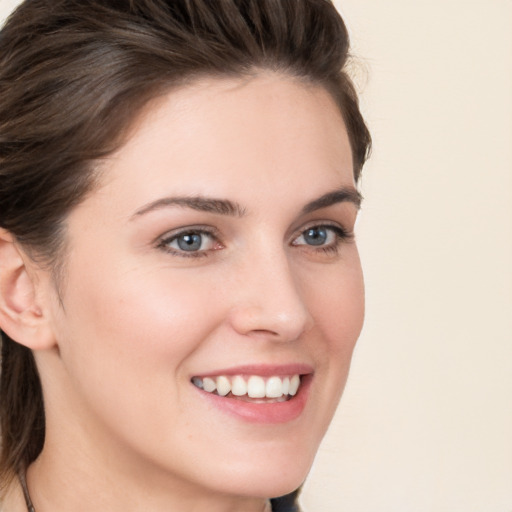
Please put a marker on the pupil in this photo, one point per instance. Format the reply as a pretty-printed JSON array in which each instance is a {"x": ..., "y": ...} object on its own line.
[
  {"x": 190, "y": 242},
  {"x": 315, "y": 236}
]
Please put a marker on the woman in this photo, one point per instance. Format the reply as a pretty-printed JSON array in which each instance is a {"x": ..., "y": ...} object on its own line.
[{"x": 180, "y": 288}]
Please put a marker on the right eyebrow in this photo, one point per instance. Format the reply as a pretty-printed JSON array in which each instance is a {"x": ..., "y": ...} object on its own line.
[
  {"x": 341, "y": 195},
  {"x": 200, "y": 203}
]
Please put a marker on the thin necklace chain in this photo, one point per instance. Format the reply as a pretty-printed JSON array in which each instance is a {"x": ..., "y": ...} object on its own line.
[{"x": 28, "y": 501}]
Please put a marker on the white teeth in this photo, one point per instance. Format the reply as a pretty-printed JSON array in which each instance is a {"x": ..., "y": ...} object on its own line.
[
  {"x": 223, "y": 385},
  {"x": 239, "y": 386},
  {"x": 256, "y": 387},
  {"x": 209, "y": 385},
  {"x": 294, "y": 385},
  {"x": 286, "y": 385},
  {"x": 274, "y": 388},
  {"x": 253, "y": 386}
]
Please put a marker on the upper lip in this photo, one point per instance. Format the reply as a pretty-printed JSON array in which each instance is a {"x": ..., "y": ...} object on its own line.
[{"x": 263, "y": 370}]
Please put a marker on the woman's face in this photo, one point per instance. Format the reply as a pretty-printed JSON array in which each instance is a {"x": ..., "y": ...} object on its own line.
[{"x": 217, "y": 251}]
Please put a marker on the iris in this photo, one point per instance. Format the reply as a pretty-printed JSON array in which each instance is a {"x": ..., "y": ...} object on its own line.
[
  {"x": 315, "y": 236},
  {"x": 190, "y": 241}
]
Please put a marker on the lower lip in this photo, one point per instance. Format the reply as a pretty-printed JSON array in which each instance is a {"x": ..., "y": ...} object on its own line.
[{"x": 276, "y": 412}]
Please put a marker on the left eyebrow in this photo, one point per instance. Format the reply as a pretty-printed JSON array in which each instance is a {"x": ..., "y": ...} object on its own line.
[
  {"x": 199, "y": 203},
  {"x": 341, "y": 195}
]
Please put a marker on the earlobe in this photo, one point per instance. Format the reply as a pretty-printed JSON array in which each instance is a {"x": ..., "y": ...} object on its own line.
[{"x": 21, "y": 317}]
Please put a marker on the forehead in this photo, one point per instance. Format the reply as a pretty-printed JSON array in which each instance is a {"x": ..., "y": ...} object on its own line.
[{"x": 218, "y": 134}]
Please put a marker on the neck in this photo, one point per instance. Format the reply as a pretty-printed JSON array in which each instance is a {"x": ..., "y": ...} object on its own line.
[{"x": 62, "y": 489}]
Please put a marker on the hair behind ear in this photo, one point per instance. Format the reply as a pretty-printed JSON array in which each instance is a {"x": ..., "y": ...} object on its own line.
[{"x": 22, "y": 419}]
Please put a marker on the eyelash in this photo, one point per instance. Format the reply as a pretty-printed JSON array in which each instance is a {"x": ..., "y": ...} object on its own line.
[{"x": 341, "y": 236}]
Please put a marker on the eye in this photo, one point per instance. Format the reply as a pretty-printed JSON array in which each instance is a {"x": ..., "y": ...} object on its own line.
[
  {"x": 324, "y": 237},
  {"x": 317, "y": 236},
  {"x": 191, "y": 242}
]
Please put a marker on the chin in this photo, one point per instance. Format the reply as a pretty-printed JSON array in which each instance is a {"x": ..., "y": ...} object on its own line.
[
  {"x": 268, "y": 475},
  {"x": 263, "y": 486}
]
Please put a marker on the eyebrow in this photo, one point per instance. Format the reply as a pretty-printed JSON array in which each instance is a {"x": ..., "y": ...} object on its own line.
[
  {"x": 342, "y": 195},
  {"x": 231, "y": 208},
  {"x": 199, "y": 203}
]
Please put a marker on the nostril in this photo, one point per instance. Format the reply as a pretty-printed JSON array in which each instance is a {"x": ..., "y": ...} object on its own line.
[{"x": 264, "y": 332}]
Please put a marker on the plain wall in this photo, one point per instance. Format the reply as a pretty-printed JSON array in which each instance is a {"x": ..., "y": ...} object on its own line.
[{"x": 426, "y": 421}]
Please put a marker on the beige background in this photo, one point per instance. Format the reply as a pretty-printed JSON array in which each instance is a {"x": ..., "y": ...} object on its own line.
[{"x": 426, "y": 420}]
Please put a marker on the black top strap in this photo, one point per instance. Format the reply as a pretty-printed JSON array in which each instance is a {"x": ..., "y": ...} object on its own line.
[{"x": 286, "y": 503}]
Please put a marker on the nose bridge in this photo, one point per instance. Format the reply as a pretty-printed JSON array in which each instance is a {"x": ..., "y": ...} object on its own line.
[{"x": 270, "y": 299}]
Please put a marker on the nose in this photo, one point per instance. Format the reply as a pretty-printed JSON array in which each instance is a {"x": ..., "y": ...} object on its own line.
[{"x": 269, "y": 302}]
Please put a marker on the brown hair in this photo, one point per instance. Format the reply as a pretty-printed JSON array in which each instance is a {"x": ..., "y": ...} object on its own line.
[{"x": 75, "y": 74}]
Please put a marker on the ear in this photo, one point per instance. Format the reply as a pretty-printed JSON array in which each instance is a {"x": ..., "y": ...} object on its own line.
[{"x": 21, "y": 317}]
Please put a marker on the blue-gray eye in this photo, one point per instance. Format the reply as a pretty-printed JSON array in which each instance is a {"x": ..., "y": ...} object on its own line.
[
  {"x": 315, "y": 236},
  {"x": 190, "y": 241},
  {"x": 319, "y": 236}
]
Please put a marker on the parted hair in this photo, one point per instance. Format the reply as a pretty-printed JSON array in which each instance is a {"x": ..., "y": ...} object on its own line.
[{"x": 75, "y": 74}]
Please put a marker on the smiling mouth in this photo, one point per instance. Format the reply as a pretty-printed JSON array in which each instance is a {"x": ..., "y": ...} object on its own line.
[{"x": 251, "y": 388}]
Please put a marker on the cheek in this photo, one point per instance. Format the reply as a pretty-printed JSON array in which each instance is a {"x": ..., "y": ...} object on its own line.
[
  {"x": 135, "y": 327},
  {"x": 338, "y": 310},
  {"x": 140, "y": 310},
  {"x": 126, "y": 346},
  {"x": 337, "y": 306}
]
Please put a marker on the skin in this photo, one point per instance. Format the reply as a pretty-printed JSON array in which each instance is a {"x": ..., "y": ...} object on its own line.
[{"x": 126, "y": 429}]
